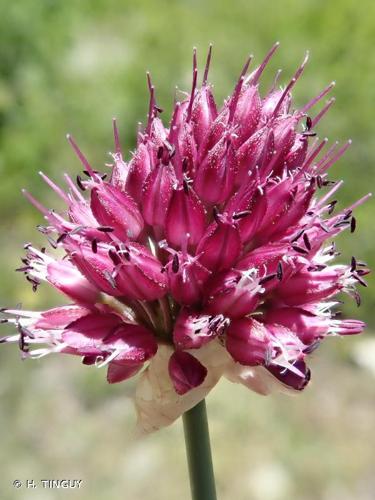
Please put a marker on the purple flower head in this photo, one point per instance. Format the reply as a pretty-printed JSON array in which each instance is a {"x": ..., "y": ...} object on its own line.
[{"x": 207, "y": 253}]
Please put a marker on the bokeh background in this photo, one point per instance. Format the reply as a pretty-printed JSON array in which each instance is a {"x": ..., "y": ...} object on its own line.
[{"x": 70, "y": 67}]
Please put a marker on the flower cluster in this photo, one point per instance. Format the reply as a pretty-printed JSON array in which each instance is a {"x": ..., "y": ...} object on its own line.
[{"x": 214, "y": 233}]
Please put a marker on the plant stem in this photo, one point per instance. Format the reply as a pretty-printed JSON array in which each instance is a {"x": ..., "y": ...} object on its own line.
[{"x": 198, "y": 450}]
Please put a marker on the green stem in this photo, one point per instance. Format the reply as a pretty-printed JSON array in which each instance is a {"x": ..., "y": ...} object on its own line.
[{"x": 198, "y": 450}]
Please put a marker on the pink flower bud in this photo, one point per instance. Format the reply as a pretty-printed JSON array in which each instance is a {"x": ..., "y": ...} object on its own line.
[
  {"x": 256, "y": 151},
  {"x": 139, "y": 169},
  {"x": 248, "y": 341},
  {"x": 185, "y": 218},
  {"x": 118, "y": 210},
  {"x": 203, "y": 115},
  {"x": 156, "y": 195},
  {"x": 214, "y": 180},
  {"x": 221, "y": 245},
  {"x": 270, "y": 102},
  {"x": 248, "y": 112},
  {"x": 248, "y": 207},
  {"x": 186, "y": 372}
]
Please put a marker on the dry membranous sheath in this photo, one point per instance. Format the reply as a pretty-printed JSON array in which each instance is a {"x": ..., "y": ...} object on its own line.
[{"x": 209, "y": 253}]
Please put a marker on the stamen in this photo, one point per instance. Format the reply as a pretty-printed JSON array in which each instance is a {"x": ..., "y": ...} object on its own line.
[
  {"x": 80, "y": 183},
  {"x": 336, "y": 157},
  {"x": 73, "y": 187},
  {"x": 297, "y": 236},
  {"x": 94, "y": 245},
  {"x": 320, "y": 96},
  {"x": 275, "y": 80},
  {"x": 116, "y": 137},
  {"x": 267, "y": 278},
  {"x": 193, "y": 86},
  {"x": 175, "y": 263},
  {"x": 241, "y": 215},
  {"x": 299, "y": 249},
  {"x": 237, "y": 89},
  {"x": 36, "y": 203},
  {"x": 320, "y": 115},
  {"x": 55, "y": 187},
  {"x": 215, "y": 214},
  {"x": 80, "y": 155},
  {"x": 306, "y": 241},
  {"x": 291, "y": 84},
  {"x": 151, "y": 107},
  {"x": 207, "y": 67},
  {"x": 309, "y": 124},
  {"x": 258, "y": 72},
  {"x": 279, "y": 272},
  {"x": 329, "y": 194}
]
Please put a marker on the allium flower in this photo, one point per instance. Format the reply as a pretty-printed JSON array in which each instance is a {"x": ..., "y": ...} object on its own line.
[{"x": 207, "y": 254}]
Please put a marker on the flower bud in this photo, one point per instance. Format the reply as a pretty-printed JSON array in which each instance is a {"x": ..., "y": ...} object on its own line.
[
  {"x": 139, "y": 168},
  {"x": 214, "y": 180},
  {"x": 186, "y": 372},
  {"x": 248, "y": 112},
  {"x": 116, "y": 209},
  {"x": 220, "y": 247},
  {"x": 248, "y": 341},
  {"x": 203, "y": 115},
  {"x": 156, "y": 195},
  {"x": 185, "y": 216}
]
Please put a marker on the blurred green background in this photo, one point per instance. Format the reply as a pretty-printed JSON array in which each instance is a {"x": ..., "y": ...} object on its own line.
[{"x": 70, "y": 67}]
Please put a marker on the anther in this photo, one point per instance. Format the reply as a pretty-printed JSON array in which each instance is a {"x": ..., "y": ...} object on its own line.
[
  {"x": 279, "y": 271},
  {"x": 80, "y": 184},
  {"x": 175, "y": 263},
  {"x": 240, "y": 215},
  {"x": 215, "y": 214},
  {"x": 299, "y": 249},
  {"x": 185, "y": 186},
  {"x": 114, "y": 257},
  {"x": 94, "y": 245},
  {"x": 306, "y": 241},
  {"x": 267, "y": 278}
]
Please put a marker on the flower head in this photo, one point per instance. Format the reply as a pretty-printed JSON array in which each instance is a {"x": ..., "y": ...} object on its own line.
[{"x": 212, "y": 244}]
